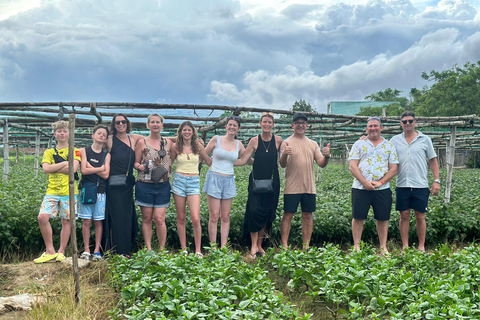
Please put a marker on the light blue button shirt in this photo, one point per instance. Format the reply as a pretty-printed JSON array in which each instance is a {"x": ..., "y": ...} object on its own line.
[
  {"x": 413, "y": 167},
  {"x": 373, "y": 161}
]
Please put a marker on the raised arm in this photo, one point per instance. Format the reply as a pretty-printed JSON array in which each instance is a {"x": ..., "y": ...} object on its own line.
[
  {"x": 251, "y": 147},
  {"x": 173, "y": 150},
  {"x": 211, "y": 145},
  {"x": 286, "y": 150},
  {"x": 203, "y": 155},
  {"x": 139, "y": 155},
  {"x": 323, "y": 158}
]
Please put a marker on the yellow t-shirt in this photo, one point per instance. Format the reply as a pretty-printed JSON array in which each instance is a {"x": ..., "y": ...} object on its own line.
[{"x": 58, "y": 182}]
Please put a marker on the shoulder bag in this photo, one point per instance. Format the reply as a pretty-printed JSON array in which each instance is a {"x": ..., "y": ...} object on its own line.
[
  {"x": 121, "y": 180},
  {"x": 90, "y": 189},
  {"x": 264, "y": 185}
]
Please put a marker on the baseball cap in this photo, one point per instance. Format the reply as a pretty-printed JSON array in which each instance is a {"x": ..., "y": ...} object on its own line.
[{"x": 299, "y": 116}]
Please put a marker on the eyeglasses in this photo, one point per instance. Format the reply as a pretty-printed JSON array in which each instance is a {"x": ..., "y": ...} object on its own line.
[
  {"x": 409, "y": 121},
  {"x": 120, "y": 122},
  {"x": 373, "y": 118},
  {"x": 302, "y": 123}
]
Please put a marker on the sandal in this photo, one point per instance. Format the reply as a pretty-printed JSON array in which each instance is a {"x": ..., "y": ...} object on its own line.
[
  {"x": 198, "y": 255},
  {"x": 253, "y": 256},
  {"x": 97, "y": 256},
  {"x": 85, "y": 256}
]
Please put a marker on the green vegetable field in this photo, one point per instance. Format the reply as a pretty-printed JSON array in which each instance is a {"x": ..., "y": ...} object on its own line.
[{"x": 330, "y": 282}]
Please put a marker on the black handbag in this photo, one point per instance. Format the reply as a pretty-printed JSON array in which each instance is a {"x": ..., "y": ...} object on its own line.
[
  {"x": 121, "y": 180},
  {"x": 263, "y": 185}
]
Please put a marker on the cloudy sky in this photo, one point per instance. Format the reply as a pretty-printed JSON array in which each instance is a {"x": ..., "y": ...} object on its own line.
[{"x": 257, "y": 53}]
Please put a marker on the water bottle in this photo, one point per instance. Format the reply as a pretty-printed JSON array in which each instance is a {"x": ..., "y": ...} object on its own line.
[{"x": 148, "y": 176}]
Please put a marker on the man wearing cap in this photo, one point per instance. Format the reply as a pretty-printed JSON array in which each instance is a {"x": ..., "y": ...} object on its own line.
[
  {"x": 297, "y": 155},
  {"x": 373, "y": 162},
  {"x": 414, "y": 150}
]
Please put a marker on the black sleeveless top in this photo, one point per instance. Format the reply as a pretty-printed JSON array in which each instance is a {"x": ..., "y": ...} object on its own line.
[
  {"x": 96, "y": 160},
  {"x": 265, "y": 159}
]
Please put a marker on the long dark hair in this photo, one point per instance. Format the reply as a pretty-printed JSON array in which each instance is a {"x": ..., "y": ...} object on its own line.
[
  {"x": 112, "y": 125},
  {"x": 194, "y": 141}
]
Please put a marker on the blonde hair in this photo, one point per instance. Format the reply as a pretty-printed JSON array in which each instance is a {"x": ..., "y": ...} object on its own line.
[
  {"x": 62, "y": 124},
  {"x": 154, "y": 115}
]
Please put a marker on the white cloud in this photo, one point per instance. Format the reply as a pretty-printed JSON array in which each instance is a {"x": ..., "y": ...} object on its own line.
[
  {"x": 241, "y": 52},
  {"x": 354, "y": 81}
]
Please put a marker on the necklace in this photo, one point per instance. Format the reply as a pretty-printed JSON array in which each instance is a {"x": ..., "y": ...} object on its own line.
[{"x": 266, "y": 147}]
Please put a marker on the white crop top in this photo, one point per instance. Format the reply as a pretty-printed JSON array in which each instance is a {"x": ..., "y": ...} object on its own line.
[{"x": 223, "y": 160}]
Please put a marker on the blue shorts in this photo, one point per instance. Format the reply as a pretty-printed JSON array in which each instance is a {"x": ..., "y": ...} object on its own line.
[
  {"x": 184, "y": 186},
  {"x": 152, "y": 195},
  {"x": 94, "y": 211},
  {"x": 220, "y": 187},
  {"x": 52, "y": 205},
  {"x": 412, "y": 198}
]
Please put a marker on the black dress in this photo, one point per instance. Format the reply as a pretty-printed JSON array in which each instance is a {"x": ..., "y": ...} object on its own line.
[
  {"x": 120, "y": 227},
  {"x": 261, "y": 207}
]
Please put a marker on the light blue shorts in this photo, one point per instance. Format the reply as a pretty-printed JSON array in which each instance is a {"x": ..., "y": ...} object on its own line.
[
  {"x": 184, "y": 186},
  {"x": 220, "y": 187},
  {"x": 95, "y": 211},
  {"x": 56, "y": 205}
]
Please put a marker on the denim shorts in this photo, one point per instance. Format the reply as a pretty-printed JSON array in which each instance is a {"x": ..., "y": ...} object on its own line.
[
  {"x": 220, "y": 187},
  {"x": 94, "y": 211},
  {"x": 56, "y": 205},
  {"x": 152, "y": 195},
  {"x": 184, "y": 186}
]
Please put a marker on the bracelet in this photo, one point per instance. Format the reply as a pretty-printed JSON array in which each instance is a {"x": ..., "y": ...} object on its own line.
[{"x": 381, "y": 182}]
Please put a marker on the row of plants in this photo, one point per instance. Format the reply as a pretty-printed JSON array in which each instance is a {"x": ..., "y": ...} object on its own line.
[
  {"x": 457, "y": 221},
  {"x": 443, "y": 284},
  {"x": 218, "y": 286}
]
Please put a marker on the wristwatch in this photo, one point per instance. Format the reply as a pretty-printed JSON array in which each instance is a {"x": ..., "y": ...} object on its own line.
[{"x": 437, "y": 181}]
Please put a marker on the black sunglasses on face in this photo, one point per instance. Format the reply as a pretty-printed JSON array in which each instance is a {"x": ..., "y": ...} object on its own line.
[
  {"x": 409, "y": 121},
  {"x": 121, "y": 122}
]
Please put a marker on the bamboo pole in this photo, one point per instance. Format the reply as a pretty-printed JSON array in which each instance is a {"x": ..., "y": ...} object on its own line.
[
  {"x": 37, "y": 153},
  {"x": 450, "y": 164},
  {"x": 71, "y": 191},
  {"x": 6, "y": 156}
]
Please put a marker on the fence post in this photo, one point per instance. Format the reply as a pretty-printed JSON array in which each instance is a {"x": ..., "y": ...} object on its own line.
[
  {"x": 71, "y": 193},
  {"x": 37, "y": 153},
  {"x": 450, "y": 163},
  {"x": 6, "y": 156}
]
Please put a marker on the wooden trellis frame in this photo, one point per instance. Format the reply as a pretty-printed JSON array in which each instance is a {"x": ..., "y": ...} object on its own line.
[{"x": 28, "y": 123}]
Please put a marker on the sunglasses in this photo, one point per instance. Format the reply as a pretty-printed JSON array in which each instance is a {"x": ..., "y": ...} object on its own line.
[
  {"x": 409, "y": 121},
  {"x": 120, "y": 122}
]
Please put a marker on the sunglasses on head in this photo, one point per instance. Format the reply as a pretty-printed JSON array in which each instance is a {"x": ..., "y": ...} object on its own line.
[
  {"x": 120, "y": 122},
  {"x": 409, "y": 121}
]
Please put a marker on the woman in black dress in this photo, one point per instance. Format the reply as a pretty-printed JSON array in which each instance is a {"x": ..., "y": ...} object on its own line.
[
  {"x": 261, "y": 207},
  {"x": 120, "y": 224}
]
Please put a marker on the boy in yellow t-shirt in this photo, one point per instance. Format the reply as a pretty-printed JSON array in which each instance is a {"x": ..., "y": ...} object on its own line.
[{"x": 56, "y": 200}]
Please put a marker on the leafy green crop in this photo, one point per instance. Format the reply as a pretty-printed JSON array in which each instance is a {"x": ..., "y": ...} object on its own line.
[
  {"x": 218, "y": 286},
  {"x": 410, "y": 285}
]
